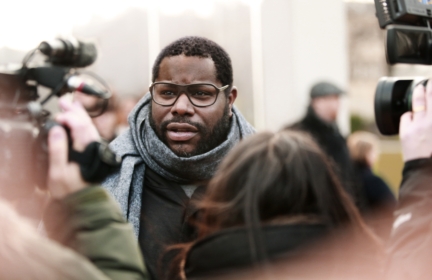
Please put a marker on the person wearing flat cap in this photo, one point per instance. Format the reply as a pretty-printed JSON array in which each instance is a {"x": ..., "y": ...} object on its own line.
[{"x": 320, "y": 123}]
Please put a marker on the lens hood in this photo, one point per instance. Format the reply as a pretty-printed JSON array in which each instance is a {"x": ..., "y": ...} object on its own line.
[{"x": 392, "y": 100}]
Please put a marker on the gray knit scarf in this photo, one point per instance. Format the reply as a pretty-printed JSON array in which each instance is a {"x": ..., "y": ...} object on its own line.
[{"x": 140, "y": 148}]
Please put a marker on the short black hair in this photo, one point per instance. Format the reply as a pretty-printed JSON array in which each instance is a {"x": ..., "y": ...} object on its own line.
[{"x": 201, "y": 47}]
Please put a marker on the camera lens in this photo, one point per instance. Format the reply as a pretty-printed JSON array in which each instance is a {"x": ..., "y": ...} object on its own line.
[{"x": 392, "y": 99}]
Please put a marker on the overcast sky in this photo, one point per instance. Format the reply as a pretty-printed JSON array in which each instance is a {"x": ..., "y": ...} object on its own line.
[{"x": 25, "y": 23}]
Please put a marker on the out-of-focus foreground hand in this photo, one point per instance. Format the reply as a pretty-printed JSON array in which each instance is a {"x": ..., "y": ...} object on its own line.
[
  {"x": 64, "y": 177},
  {"x": 415, "y": 129},
  {"x": 81, "y": 127}
]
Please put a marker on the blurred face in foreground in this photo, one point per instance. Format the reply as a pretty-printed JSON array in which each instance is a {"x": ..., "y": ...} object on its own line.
[
  {"x": 186, "y": 129},
  {"x": 326, "y": 107}
]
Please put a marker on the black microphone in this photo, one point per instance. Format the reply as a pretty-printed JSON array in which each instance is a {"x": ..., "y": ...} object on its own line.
[
  {"x": 77, "y": 84},
  {"x": 71, "y": 52}
]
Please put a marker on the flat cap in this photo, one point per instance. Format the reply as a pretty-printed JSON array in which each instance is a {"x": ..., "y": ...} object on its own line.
[{"x": 324, "y": 89}]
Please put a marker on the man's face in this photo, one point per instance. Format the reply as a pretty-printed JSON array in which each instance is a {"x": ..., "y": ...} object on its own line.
[
  {"x": 326, "y": 107},
  {"x": 188, "y": 130}
]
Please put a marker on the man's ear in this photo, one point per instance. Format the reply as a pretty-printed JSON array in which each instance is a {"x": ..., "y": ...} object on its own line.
[{"x": 231, "y": 98}]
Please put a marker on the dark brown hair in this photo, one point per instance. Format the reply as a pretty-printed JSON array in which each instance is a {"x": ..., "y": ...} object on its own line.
[{"x": 270, "y": 175}]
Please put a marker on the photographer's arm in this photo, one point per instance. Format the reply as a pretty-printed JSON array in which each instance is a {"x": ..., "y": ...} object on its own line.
[
  {"x": 410, "y": 245},
  {"x": 84, "y": 217}
]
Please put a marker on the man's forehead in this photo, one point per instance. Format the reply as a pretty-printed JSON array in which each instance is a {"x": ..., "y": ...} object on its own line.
[{"x": 184, "y": 69}]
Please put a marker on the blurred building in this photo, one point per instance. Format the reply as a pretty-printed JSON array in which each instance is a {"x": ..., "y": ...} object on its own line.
[
  {"x": 367, "y": 62},
  {"x": 278, "y": 47}
]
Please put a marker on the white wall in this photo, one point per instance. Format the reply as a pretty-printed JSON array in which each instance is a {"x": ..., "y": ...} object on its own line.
[{"x": 302, "y": 42}]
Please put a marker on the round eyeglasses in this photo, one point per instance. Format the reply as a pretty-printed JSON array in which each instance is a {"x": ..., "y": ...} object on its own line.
[{"x": 200, "y": 95}]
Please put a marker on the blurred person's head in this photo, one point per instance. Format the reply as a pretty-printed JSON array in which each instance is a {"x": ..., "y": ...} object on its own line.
[
  {"x": 185, "y": 128},
  {"x": 325, "y": 101},
  {"x": 271, "y": 179},
  {"x": 104, "y": 113},
  {"x": 125, "y": 106},
  {"x": 276, "y": 175},
  {"x": 363, "y": 147},
  {"x": 92, "y": 104},
  {"x": 24, "y": 254},
  {"x": 107, "y": 122}
]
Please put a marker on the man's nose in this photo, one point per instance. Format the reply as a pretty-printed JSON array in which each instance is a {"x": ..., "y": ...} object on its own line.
[{"x": 183, "y": 106}]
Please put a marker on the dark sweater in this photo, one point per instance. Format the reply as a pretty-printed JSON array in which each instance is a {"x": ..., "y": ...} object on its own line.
[
  {"x": 165, "y": 214},
  {"x": 377, "y": 192}
]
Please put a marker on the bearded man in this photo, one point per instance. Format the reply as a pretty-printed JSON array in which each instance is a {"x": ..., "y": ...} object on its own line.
[{"x": 179, "y": 132}]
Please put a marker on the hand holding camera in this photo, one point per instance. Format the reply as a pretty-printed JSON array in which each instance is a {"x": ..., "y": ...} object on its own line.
[
  {"x": 64, "y": 176},
  {"x": 74, "y": 116},
  {"x": 416, "y": 126}
]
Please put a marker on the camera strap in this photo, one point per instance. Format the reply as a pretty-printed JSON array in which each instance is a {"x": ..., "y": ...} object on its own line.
[{"x": 96, "y": 162}]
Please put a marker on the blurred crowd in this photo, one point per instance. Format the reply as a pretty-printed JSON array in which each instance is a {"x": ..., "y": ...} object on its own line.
[
  {"x": 200, "y": 195},
  {"x": 109, "y": 116}
]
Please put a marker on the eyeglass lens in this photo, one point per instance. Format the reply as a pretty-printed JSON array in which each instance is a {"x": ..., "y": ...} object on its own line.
[{"x": 199, "y": 94}]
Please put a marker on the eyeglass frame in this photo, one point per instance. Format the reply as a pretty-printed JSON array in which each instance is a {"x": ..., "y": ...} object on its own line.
[{"x": 183, "y": 90}]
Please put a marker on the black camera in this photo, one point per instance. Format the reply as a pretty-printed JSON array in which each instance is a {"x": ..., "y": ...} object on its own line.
[
  {"x": 408, "y": 40},
  {"x": 393, "y": 97},
  {"x": 24, "y": 123}
]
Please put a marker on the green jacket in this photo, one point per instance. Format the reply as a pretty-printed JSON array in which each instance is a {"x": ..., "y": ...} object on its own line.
[{"x": 90, "y": 222}]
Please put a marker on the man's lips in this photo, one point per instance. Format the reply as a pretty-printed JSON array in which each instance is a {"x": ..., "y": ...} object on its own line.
[{"x": 181, "y": 131}]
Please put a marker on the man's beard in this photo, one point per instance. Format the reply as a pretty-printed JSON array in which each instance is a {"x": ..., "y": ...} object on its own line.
[{"x": 210, "y": 139}]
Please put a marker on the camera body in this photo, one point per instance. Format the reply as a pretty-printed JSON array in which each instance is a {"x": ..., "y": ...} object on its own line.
[
  {"x": 23, "y": 153},
  {"x": 409, "y": 37},
  {"x": 412, "y": 12},
  {"x": 408, "y": 40},
  {"x": 24, "y": 123}
]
